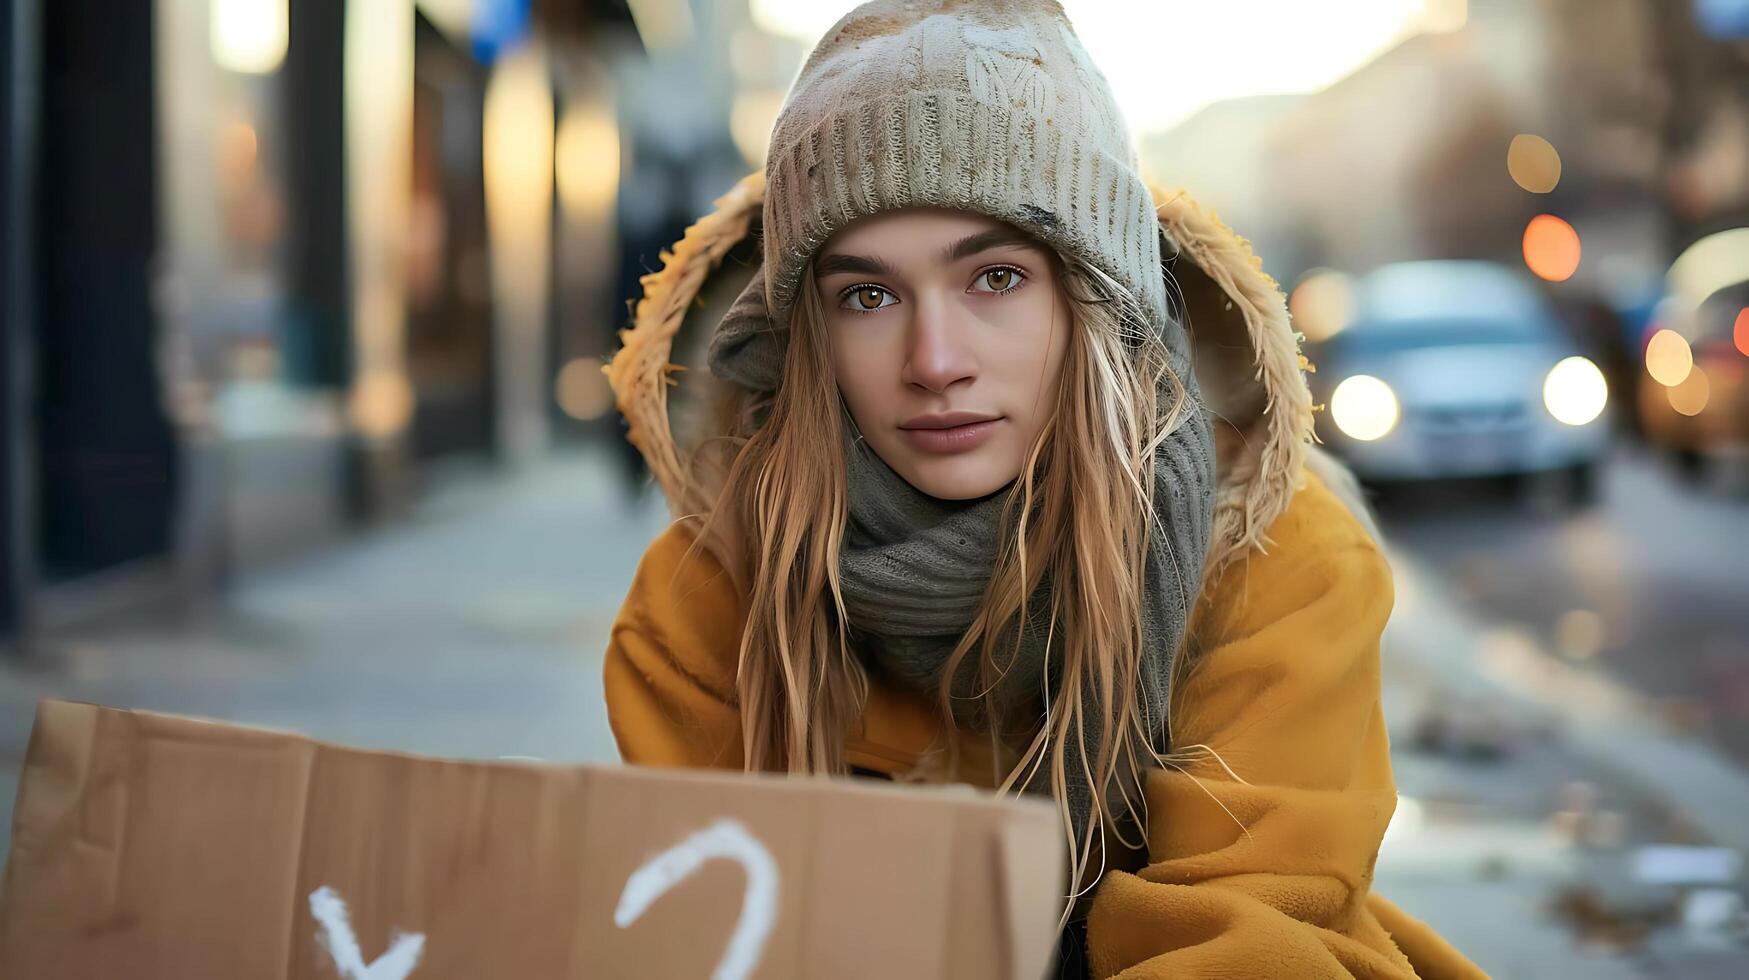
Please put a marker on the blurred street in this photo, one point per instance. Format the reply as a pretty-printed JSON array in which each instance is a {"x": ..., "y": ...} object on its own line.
[
  {"x": 1646, "y": 587},
  {"x": 1535, "y": 768},
  {"x": 476, "y": 630}
]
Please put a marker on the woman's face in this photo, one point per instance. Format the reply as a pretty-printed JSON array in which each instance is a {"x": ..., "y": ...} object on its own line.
[{"x": 947, "y": 331}]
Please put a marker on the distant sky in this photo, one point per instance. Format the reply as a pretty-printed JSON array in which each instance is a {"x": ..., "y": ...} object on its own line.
[{"x": 1167, "y": 59}]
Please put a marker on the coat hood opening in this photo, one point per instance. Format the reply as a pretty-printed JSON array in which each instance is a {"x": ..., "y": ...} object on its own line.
[{"x": 1246, "y": 354}]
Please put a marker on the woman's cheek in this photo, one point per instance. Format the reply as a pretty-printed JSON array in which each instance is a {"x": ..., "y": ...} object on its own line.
[
  {"x": 862, "y": 366},
  {"x": 1035, "y": 339}
]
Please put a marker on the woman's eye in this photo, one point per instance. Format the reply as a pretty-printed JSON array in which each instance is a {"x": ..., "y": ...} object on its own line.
[
  {"x": 999, "y": 280},
  {"x": 867, "y": 299}
]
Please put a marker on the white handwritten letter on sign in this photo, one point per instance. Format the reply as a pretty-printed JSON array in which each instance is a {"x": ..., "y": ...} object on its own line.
[
  {"x": 723, "y": 839},
  {"x": 334, "y": 932}
]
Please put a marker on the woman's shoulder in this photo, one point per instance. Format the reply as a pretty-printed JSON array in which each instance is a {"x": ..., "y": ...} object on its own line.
[
  {"x": 1321, "y": 549},
  {"x": 672, "y": 551},
  {"x": 683, "y": 595},
  {"x": 673, "y": 569},
  {"x": 1327, "y": 514}
]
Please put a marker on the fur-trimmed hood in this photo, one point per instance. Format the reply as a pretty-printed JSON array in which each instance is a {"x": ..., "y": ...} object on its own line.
[{"x": 1247, "y": 358}]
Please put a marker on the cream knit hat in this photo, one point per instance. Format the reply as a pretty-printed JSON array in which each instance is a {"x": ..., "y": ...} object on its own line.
[{"x": 989, "y": 106}]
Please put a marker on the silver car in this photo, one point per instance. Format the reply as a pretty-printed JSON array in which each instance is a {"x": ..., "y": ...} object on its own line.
[{"x": 1458, "y": 368}]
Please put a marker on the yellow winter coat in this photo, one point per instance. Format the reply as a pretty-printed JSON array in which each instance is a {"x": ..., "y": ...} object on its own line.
[{"x": 1267, "y": 875}]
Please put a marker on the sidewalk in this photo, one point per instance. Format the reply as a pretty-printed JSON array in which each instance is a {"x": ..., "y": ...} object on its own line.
[
  {"x": 476, "y": 629},
  {"x": 1484, "y": 840}
]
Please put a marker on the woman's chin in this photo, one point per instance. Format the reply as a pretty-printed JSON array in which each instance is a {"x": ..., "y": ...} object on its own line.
[{"x": 967, "y": 477}]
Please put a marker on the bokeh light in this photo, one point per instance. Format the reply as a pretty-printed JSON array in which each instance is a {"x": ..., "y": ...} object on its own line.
[
  {"x": 1669, "y": 359},
  {"x": 1709, "y": 265},
  {"x": 239, "y": 152},
  {"x": 249, "y": 36},
  {"x": 1322, "y": 303},
  {"x": 518, "y": 134},
  {"x": 1551, "y": 248},
  {"x": 1740, "y": 331},
  {"x": 1533, "y": 163},
  {"x": 1690, "y": 397},
  {"x": 382, "y": 403},
  {"x": 586, "y": 155},
  {"x": 1575, "y": 391},
  {"x": 582, "y": 390},
  {"x": 1364, "y": 407}
]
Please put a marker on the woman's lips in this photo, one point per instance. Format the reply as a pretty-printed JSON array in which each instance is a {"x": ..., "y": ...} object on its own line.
[{"x": 958, "y": 439}]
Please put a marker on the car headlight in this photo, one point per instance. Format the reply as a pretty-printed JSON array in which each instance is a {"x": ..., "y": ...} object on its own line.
[
  {"x": 1575, "y": 391},
  {"x": 1364, "y": 407}
]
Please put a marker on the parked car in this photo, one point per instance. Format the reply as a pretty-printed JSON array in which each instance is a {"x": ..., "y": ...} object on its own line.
[
  {"x": 1457, "y": 369},
  {"x": 1693, "y": 398}
]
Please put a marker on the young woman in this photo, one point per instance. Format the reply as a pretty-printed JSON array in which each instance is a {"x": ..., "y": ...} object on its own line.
[{"x": 967, "y": 503}]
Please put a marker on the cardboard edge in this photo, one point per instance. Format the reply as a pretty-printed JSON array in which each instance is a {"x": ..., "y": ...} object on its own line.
[
  {"x": 1030, "y": 891},
  {"x": 164, "y": 724}
]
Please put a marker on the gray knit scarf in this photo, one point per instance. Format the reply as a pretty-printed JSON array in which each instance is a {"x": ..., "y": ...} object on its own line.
[{"x": 914, "y": 568}]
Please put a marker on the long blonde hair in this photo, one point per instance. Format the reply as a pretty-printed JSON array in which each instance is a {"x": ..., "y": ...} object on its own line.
[{"x": 1081, "y": 513}]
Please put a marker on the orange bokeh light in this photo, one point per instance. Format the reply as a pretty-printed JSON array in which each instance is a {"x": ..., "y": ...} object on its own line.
[
  {"x": 1690, "y": 397},
  {"x": 1551, "y": 248},
  {"x": 1740, "y": 332}
]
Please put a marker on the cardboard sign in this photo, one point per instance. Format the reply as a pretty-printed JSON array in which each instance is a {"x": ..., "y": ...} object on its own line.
[{"x": 165, "y": 848}]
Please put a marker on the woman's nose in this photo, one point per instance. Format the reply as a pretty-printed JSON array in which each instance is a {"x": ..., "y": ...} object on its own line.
[{"x": 938, "y": 355}]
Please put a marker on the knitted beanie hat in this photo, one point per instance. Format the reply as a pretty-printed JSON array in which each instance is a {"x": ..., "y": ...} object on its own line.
[{"x": 991, "y": 107}]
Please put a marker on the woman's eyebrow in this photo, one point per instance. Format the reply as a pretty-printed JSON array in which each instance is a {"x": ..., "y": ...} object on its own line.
[
  {"x": 863, "y": 264},
  {"x": 983, "y": 241},
  {"x": 869, "y": 265}
]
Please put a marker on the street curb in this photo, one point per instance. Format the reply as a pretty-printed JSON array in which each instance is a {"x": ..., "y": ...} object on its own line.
[{"x": 1607, "y": 723}]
